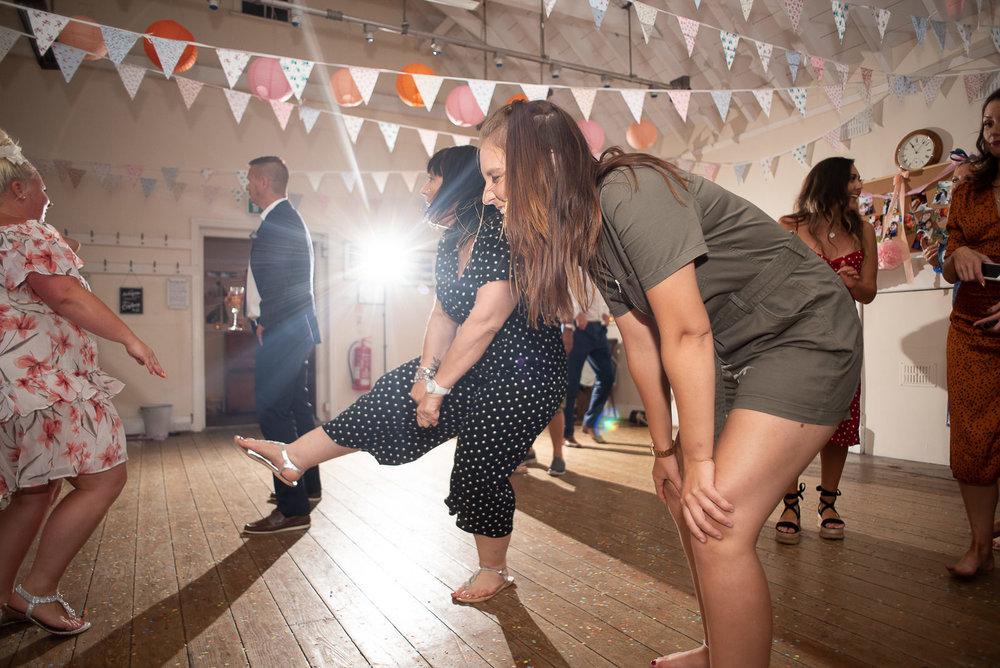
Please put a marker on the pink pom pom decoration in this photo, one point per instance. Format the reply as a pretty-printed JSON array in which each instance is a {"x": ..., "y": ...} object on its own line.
[
  {"x": 890, "y": 255},
  {"x": 594, "y": 134}
]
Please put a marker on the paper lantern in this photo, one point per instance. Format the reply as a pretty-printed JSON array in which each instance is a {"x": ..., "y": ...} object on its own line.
[
  {"x": 519, "y": 96},
  {"x": 594, "y": 134},
  {"x": 345, "y": 92},
  {"x": 171, "y": 30},
  {"x": 267, "y": 80},
  {"x": 83, "y": 36},
  {"x": 641, "y": 135},
  {"x": 406, "y": 87},
  {"x": 462, "y": 108}
]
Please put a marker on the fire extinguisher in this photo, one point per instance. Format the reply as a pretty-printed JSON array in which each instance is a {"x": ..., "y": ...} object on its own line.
[{"x": 359, "y": 361}]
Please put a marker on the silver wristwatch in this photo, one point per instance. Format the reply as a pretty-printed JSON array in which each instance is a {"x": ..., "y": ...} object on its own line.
[{"x": 434, "y": 388}]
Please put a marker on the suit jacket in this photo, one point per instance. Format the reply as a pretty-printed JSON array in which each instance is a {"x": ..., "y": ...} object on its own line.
[{"x": 281, "y": 258}]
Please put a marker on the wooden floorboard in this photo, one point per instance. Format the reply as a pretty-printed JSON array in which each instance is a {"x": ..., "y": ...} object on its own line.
[{"x": 169, "y": 579}]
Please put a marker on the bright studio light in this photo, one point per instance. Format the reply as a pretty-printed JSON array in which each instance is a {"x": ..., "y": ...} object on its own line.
[{"x": 385, "y": 260}]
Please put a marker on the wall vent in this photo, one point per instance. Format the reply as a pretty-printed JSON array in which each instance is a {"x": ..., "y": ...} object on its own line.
[{"x": 917, "y": 375}]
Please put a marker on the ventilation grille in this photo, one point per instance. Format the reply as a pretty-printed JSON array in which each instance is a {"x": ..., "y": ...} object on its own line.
[{"x": 917, "y": 375}]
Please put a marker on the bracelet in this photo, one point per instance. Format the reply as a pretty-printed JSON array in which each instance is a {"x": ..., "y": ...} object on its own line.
[
  {"x": 423, "y": 373},
  {"x": 659, "y": 454}
]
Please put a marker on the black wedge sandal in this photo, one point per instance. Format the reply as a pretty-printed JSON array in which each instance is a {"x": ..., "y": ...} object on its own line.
[
  {"x": 832, "y": 528},
  {"x": 794, "y": 533}
]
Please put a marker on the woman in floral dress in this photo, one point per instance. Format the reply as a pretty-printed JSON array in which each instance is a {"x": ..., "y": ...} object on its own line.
[{"x": 56, "y": 416}]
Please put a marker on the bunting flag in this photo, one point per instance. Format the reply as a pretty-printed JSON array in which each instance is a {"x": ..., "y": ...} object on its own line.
[
  {"x": 238, "y": 101},
  {"x": 818, "y": 64},
  {"x": 766, "y": 165},
  {"x": 899, "y": 85},
  {"x": 745, "y": 5},
  {"x": 844, "y": 71},
  {"x": 189, "y": 89},
  {"x": 549, "y": 4},
  {"x": 710, "y": 171},
  {"x": 62, "y": 168},
  {"x": 634, "y": 98},
  {"x": 282, "y": 111},
  {"x": 794, "y": 10},
  {"x": 429, "y": 139},
  {"x": 364, "y": 79},
  {"x": 461, "y": 140},
  {"x": 68, "y": 58},
  {"x": 697, "y": 4},
  {"x": 995, "y": 34},
  {"x": 428, "y": 85},
  {"x": 881, "y": 20},
  {"x": 243, "y": 176},
  {"x": 169, "y": 52},
  {"x": 380, "y": 179},
  {"x": 111, "y": 183},
  {"x": 353, "y": 125},
  {"x": 598, "y": 7},
  {"x": 315, "y": 178},
  {"x": 535, "y": 91},
  {"x": 410, "y": 179},
  {"x": 75, "y": 173},
  {"x": 940, "y": 30},
  {"x": 681, "y": 100},
  {"x": 866, "y": 78},
  {"x": 178, "y": 189},
  {"x": 764, "y": 97},
  {"x": 799, "y": 153},
  {"x": 308, "y": 116},
  {"x": 43, "y": 166},
  {"x": 722, "y": 99},
  {"x": 689, "y": 29},
  {"x": 147, "y": 186},
  {"x": 233, "y": 64},
  {"x": 840, "y": 10},
  {"x": 133, "y": 172},
  {"x": 390, "y": 131},
  {"x": 729, "y": 42},
  {"x": 798, "y": 96},
  {"x": 237, "y": 194},
  {"x": 932, "y": 86},
  {"x": 974, "y": 84},
  {"x": 741, "y": 171},
  {"x": 832, "y": 137},
  {"x": 836, "y": 94},
  {"x": 131, "y": 77},
  {"x": 965, "y": 32},
  {"x": 7, "y": 39},
  {"x": 46, "y": 27},
  {"x": 100, "y": 170},
  {"x": 206, "y": 173},
  {"x": 209, "y": 193},
  {"x": 764, "y": 51},
  {"x": 482, "y": 90},
  {"x": 169, "y": 175},
  {"x": 119, "y": 43},
  {"x": 584, "y": 99},
  {"x": 919, "y": 28},
  {"x": 297, "y": 72},
  {"x": 793, "y": 58},
  {"x": 647, "y": 18},
  {"x": 350, "y": 179}
]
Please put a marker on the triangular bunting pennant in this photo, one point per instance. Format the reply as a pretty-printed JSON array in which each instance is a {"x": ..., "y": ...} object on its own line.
[
  {"x": 832, "y": 138},
  {"x": 101, "y": 170},
  {"x": 974, "y": 84},
  {"x": 881, "y": 20},
  {"x": 931, "y": 88},
  {"x": 598, "y": 7},
  {"x": 461, "y": 140},
  {"x": 429, "y": 139},
  {"x": 169, "y": 52},
  {"x": 353, "y": 125},
  {"x": 482, "y": 91},
  {"x": 764, "y": 50},
  {"x": 794, "y": 10},
  {"x": 206, "y": 173},
  {"x": 844, "y": 72},
  {"x": 793, "y": 58},
  {"x": 729, "y": 42},
  {"x": 818, "y": 64},
  {"x": 697, "y": 4},
  {"x": 965, "y": 32},
  {"x": 764, "y": 97},
  {"x": 689, "y": 29},
  {"x": 169, "y": 175},
  {"x": 46, "y": 27},
  {"x": 134, "y": 172},
  {"x": 62, "y": 168},
  {"x": 799, "y": 99},
  {"x": 410, "y": 179},
  {"x": 995, "y": 34},
  {"x": 746, "y": 6},
  {"x": 147, "y": 186},
  {"x": 549, "y": 4},
  {"x": 634, "y": 98},
  {"x": 119, "y": 43},
  {"x": 69, "y": 59},
  {"x": 940, "y": 30},
  {"x": 237, "y": 194},
  {"x": 919, "y": 28},
  {"x": 111, "y": 183},
  {"x": 131, "y": 77},
  {"x": 350, "y": 179},
  {"x": 765, "y": 167},
  {"x": 308, "y": 116},
  {"x": 178, "y": 189},
  {"x": 722, "y": 99},
  {"x": 75, "y": 173},
  {"x": 681, "y": 100},
  {"x": 233, "y": 64},
  {"x": 7, "y": 39},
  {"x": 836, "y": 94},
  {"x": 799, "y": 153},
  {"x": 428, "y": 86},
  {"x": 315, "y": 178},
  {"x": 840, "y": 10},
  {"x": 43, "y": 166},
  {"x": 380, "y": 179},
  {"x": 898, "y": 85},
  {"x": 243, "y": 176},
  {"x": 364, "y": 79},
  {"x": 535, "y": 91},
  {"x": 389, "y": 131},
  {"x": 297, "y": 72},
  {"x": 711, "y": 170},
  {"x": 866, "y": 78},
  {"x": 584, "y": 99},
  {"x": 189, "y": 89},
  {"x": 282, "y": 111},
  {"x": 741, "y": 171},
  {"x": 209, "y": 193},
  {"x": 646, "y": 16},
  {"x": 238, "y": 101}
]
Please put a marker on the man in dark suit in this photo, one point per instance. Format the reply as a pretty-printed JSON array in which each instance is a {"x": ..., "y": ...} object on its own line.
[{"x": 280, "y": 304}]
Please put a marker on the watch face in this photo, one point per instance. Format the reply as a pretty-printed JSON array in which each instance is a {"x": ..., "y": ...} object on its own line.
[{"x": 915, "y": 152}]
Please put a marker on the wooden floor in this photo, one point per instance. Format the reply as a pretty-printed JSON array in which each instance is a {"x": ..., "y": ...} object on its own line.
[{"x": 601, "y": 581}]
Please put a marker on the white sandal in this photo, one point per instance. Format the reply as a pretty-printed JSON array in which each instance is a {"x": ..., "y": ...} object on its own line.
[
  {"x": 508, "y": 580},
  {"x": 286, "y": 463},
  {"x": 55, "y": 598}
]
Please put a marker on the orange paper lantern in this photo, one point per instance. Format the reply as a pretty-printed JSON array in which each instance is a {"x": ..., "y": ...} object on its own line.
[
  {"x": 406, "y": 87},
  {"x": 519, "y": 96},
  {"x": 171, "y": 30},
  {"x": 641, "y": 135},
  {"x": 85, "y": 37},
  {"x": 345, "y": 92}
]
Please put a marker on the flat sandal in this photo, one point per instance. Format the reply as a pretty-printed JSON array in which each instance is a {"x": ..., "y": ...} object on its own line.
[
  {"x": 508, "y": 580},
  {"x": 32, "y": 601}
]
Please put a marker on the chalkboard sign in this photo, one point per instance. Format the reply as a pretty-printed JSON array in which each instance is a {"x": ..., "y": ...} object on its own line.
[{"x": 130, "y": 300}]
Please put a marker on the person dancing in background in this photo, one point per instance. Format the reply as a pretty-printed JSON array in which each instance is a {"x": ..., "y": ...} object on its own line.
[
  {"x": 486, "y": 376},
  {"x": 56, "y": 417},
  {"x": 826, "y": 218},
  {"x": 974, "y": 343}
]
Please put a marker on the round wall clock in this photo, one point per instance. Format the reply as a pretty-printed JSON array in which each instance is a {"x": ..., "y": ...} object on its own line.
[{"x": 918, "y": 149}]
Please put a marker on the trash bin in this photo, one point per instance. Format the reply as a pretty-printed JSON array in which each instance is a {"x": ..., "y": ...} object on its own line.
[{"x": 156, "y": 418}]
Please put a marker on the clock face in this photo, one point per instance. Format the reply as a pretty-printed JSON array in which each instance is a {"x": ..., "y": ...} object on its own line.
[{"x": 915, "y": 152}]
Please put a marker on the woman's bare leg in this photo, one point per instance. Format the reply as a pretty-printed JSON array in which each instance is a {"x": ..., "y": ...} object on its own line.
[
  {"x": 492, "y": 554},
  {"x": 19, "y": 525},
  {"x": 980, "y": 506},
  {"x": 308, "y": 450}
]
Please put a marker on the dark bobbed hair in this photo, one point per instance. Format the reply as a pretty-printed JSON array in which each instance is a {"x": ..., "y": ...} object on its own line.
[
  {"x": 824, "y": 196},
  {"x": 461, "y": 188},
  {"x": 984, "y": 165},
  {"x": 553, "y": 218},
  {"x": 276, "y": 171}
]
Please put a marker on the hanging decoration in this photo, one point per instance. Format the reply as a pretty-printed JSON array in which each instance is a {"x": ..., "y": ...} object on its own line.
[
  {"x": 681, "y": 100},
  {"x": 428, "y": 87},
  {"x": 764, "y": 97},
  {"x": 68, "y": 59},
  {"x": 267, "y": 80},
  {"x": 233, "y": 64},
  {"x": 462, "y": 108},
  {"x": 594, "y": 134},
  {"x": 840, "y": 10},
  {"x": 584, "y": 99},
  {"x": 118, "y": 42},
  {"x": 46, "y": 27},
  {"x": 163, "y": 39},
  {"x": 406, "y": 88},
  {"x": 598, "y": 8},
  {"x": 189, "y": 89},
  {"x": 297, "y": 72},
  {"x": 343, "y": 89},
  {"x": 308, "y": 116},
  {"x": 730, "y": 41},
  {"x": 82, "y": 32},
  {"x": 537, "y": 91},
  {"x": 364, "y": 78},
  {"x": 641, "y": 135},
  {"x": 634, "y": 99},
  {"x": 919, "y": 28},
  {"x": 794, "y": 10}
]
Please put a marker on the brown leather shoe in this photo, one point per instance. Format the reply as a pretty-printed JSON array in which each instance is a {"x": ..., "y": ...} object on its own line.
[
  {"x": 313, "y": 500},
  {"x": 276, "y": 523}
]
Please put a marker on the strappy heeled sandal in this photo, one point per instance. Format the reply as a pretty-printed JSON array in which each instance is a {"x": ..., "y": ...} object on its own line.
[
  {"x": 286, "y": 463},
  {"x": 829, "y": 528},
  {"x": 794, "y": 533},
  {"x": 55, "y": 598},
  {"x": 508, "y": 580}
]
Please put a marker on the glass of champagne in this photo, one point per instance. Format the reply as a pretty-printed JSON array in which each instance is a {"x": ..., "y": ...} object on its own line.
[{"x": 235, "y": 299}]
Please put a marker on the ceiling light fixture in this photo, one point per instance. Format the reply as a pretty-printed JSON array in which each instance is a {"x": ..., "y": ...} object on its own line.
[
  {"x": 369, "y": 33},
  {"x": 555, "y": 70},
  {"x": 435, "y": 47},
  {"x": 606, "y": 81},
  {"x": 497, "y": 60}
]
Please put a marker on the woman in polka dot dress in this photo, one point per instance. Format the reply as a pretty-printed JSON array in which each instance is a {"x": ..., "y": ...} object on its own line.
[{"x": 484, "y": 377}]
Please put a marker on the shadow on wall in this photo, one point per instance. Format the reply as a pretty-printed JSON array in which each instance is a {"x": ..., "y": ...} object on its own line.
[{"x": 915, "y": 346}]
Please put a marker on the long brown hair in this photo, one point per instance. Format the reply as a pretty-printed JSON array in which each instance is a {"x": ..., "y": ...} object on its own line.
[
  {"x": 824, "y": 196},
  {"x": 985, "y": 166},
  {"x": 553, "y": 219}
]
